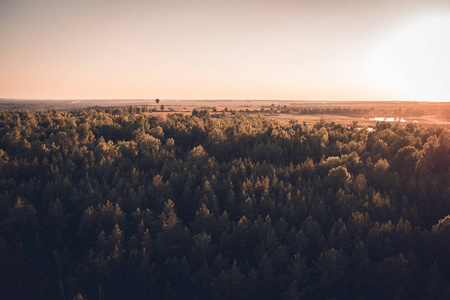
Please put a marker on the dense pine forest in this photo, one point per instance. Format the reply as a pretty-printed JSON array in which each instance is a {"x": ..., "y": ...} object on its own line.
[{"x": 114, "y": 204}]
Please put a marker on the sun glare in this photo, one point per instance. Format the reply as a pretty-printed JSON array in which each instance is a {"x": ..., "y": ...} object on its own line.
[{"x": 412, "y": 63}]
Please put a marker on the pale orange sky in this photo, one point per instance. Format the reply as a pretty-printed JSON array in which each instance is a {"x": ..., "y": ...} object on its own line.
[{"x": 266, "y": 49}]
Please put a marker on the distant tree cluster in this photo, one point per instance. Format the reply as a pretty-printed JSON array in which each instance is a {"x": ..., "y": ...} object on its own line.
[
  {"x": 116, "y": 205},
  {"x": 315, "y": 110},
  {"x": 379, "y": 110}
]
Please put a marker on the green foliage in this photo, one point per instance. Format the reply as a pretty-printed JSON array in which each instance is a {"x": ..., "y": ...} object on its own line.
[{"x": 116, "y": 204}]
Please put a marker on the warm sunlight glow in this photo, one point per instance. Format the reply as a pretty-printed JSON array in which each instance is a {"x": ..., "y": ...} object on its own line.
[
  {"x": 203, "y": 49},
  {"x": 412, "y": 63}
]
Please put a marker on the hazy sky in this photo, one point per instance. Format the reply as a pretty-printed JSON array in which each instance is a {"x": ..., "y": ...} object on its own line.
[{"x": 265, "y": 49}]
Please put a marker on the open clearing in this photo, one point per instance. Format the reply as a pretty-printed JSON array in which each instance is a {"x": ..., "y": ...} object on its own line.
[{"x": 424, "y": 113}]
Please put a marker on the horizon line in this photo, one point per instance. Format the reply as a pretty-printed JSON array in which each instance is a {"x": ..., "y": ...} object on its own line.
[{"x": 196, "y": 99}]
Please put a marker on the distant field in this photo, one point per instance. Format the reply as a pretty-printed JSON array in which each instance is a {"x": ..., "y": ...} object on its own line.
[{"x": 424, "y": 113}]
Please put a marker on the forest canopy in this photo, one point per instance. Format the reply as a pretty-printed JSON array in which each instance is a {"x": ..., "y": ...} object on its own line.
[{"x": 115, "y": 204}]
